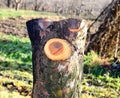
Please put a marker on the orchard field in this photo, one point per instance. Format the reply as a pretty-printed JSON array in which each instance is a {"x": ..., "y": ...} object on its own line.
[{"x": 100, "y": 78}]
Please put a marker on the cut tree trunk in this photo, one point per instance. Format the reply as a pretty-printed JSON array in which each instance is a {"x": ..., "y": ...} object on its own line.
[
  {"x": 106, "y": 41},
  {"x": 57, "y": 77}
]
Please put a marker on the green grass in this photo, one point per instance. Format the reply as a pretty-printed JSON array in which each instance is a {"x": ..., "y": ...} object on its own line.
[
  {"x": 100, "y": 79},
  {"x": 16, "y": 68},
  {"x": 7, "y": 13},
  {"x": 15, "y": 50}
]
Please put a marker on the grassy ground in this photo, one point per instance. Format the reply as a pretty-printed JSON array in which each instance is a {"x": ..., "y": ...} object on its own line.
[
  {"x": 100, "y": 79},
  {"x": 6, "y": 13},
  {"x": 15, "y": 66},
  {"x": 16, "y": 72}
]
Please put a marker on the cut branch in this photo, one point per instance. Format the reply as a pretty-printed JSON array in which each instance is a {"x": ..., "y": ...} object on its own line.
[{"x": 57, "y": 49}]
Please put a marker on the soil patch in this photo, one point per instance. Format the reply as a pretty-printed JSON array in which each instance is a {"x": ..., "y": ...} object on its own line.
[{"x": 15, "y": 26}]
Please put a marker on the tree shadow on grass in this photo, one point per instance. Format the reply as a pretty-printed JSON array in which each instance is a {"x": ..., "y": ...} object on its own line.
[
  {"x": 7, "y": 65},
  {"x": 101, "y": 70}
]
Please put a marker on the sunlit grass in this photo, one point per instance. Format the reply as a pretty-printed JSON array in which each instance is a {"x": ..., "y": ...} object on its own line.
[
  {"x": 19, "y": 79},
  {"x": 7, "y": 13},
  {"x": 7, "y": 94}
]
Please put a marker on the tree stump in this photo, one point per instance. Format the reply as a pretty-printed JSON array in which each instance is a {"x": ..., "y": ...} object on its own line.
[{"x": 57, "y": 57}]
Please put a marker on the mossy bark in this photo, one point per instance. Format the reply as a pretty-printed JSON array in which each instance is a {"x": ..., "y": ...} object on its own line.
[{"x": 55, "y": 79}]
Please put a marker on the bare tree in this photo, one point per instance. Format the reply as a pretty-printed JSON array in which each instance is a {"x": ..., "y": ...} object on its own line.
[
  {"x": 8, "y": 3},
  {"x": 17, "y": 4},
  {"x": 37, "y": 4},
  {"x": 65, "y": 7}
]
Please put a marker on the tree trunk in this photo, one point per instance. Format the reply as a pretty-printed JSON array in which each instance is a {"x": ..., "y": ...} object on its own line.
[
  {"x": 54, "y": 77},
  {"x": 17, "y": 6},
  {"x": 17, "y": 2},
  {"x": 8, "y": 3},
  {"x": 106, "y": 41}
]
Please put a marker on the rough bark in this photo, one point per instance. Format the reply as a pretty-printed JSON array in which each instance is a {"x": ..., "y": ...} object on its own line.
[
  {"x": 106, "y": 41},
  {"x": 56, "y": 79}
]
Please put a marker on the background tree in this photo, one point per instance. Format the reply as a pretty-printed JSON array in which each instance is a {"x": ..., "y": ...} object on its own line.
[
  {"x": 106, "y": 40},
  {"x": 8, "y": 3},
  {"x": 81, "y": 8},
  {"x": 17, "y": 4}
]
